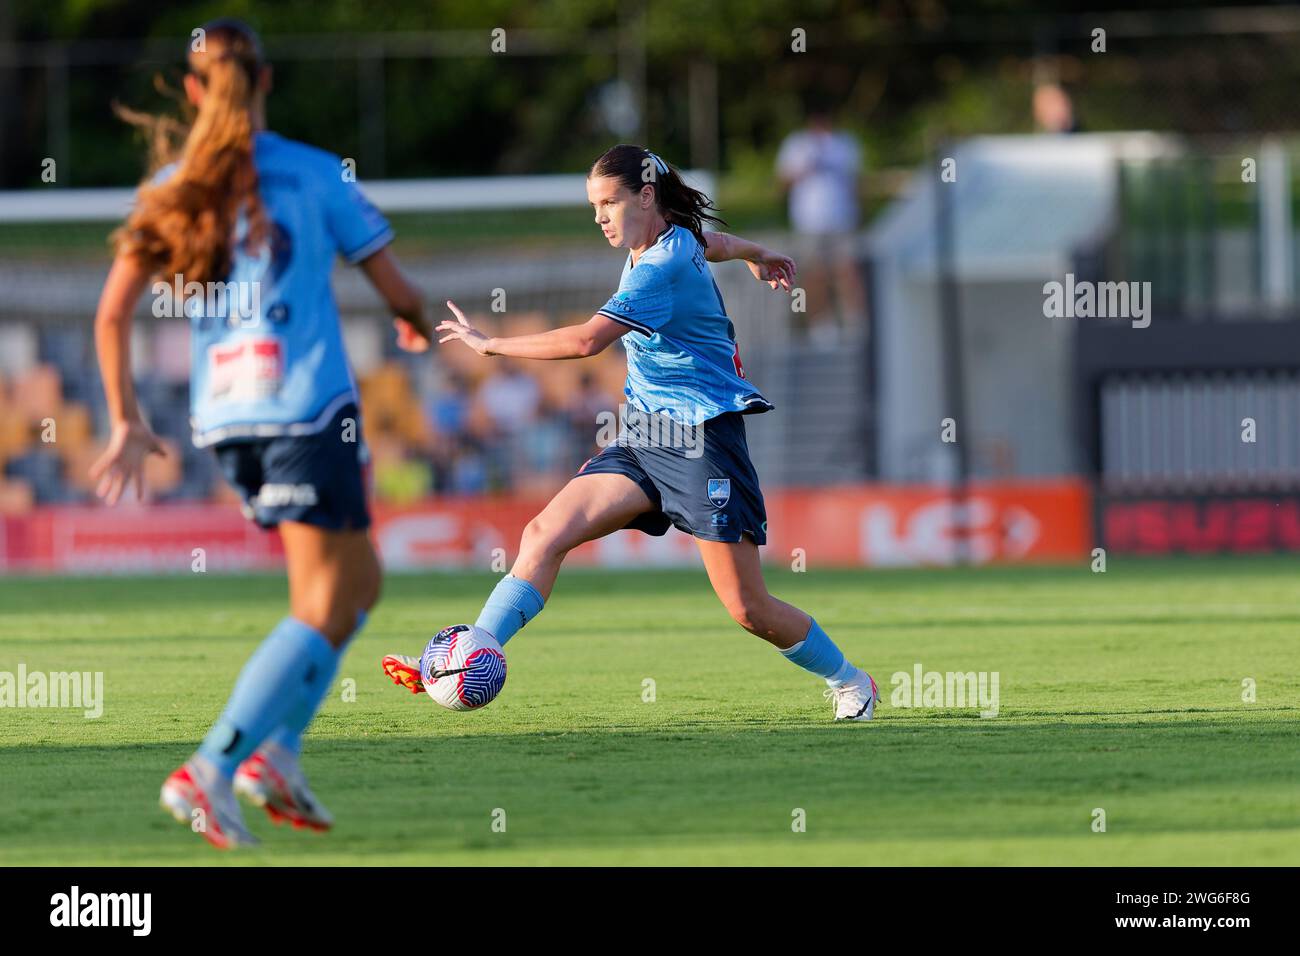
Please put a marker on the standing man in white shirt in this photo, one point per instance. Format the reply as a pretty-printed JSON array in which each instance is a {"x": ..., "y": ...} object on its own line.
[{"x": 822, "y": 168}]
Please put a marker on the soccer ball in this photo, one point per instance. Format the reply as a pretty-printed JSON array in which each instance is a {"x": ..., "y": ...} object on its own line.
[{"x": 463, "y": 667}]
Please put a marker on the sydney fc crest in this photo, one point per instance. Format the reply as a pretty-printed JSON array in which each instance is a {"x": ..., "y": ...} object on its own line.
[{"x": 719, "y": 491}]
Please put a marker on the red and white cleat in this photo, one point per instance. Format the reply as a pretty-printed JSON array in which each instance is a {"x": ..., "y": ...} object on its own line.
[
  {"x": 272, "y": 780},
  {"x": 404, "y": 671},
  {"x": 195, "y": 794}
]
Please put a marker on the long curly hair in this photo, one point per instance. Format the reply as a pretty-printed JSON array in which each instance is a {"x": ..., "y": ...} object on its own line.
[{"x": 187, "y": 224}]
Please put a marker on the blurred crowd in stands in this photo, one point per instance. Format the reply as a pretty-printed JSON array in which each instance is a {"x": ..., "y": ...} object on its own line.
[{"x": 449, "y": 422}]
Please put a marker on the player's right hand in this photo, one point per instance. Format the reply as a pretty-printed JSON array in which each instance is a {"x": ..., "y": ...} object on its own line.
[
  {"x": 461, "y": 329},
  {"x": 410, "y": 338},
  {"x": 123, "y": 461}
]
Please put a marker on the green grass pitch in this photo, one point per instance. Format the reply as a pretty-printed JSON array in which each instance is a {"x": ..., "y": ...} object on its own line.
[{"x": 1121, "y": 691}]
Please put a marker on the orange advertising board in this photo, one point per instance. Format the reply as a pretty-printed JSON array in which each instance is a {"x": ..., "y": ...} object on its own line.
[{"x": 841, "y": 526}]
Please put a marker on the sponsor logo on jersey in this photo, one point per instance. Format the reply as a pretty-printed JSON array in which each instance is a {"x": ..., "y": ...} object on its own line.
[
  {"x": 248, "y": 370},
  {"x": 621, "y": 302}
]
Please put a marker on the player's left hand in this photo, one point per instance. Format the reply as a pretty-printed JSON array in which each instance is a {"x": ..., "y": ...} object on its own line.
[
  {"x": 776, "y": 270},
  {"x": 409, "y": 338},
  {"x": 122, "y": 463},
  {"x": 461, "y": 329}
]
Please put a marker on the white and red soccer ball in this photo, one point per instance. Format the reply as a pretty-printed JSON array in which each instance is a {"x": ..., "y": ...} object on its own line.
[{"x": 463, "y": 667}]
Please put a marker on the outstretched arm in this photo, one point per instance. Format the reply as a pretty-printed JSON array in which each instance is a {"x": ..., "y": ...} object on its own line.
[
  {"x": 568, "y": 342},
  {"x": 771, "y": 267},
  {"x": 402, "y": 298},
  {"x": 131, "y": 440}
]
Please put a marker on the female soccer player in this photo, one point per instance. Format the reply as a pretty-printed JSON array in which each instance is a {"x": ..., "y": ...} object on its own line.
[
  {"x": 259, "y": 218},
  {"x": 683, "y": 365}
]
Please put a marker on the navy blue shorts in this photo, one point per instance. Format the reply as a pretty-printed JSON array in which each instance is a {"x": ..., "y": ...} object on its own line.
[
  {"x": 709, "y": 490},
  {"x": 316, "y": 479}
]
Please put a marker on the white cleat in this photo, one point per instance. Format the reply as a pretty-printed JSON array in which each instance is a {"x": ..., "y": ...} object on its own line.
[
  {"x": 271, "y": 779},
  {"x": 196, "y": 795},
  {"x": 855, "y": 699}
]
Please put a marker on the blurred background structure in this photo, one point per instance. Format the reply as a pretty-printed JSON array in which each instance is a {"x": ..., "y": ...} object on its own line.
[{"x": 934, "y": 167}]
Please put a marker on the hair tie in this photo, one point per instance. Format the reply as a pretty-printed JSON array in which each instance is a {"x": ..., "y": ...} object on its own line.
[{"x": 659, "y": 163}]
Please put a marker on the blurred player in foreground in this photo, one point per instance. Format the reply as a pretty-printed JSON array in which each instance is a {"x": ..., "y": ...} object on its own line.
[
  {"x": 236, "y": 206},
  {"x": 684, "y": 378}
]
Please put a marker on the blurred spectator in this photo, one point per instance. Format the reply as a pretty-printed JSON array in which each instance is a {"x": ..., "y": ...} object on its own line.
[
  {"x": 468, "y": 473},
  {"x": 1053, "y": 109},
  {"x": 37, "y": 393},
  {"x": 582, "y": 413},
  {"x": 822, "y": 167},
  {"x": 510, "y": 398},
  {"x": 18, "y": 348},
  {"x": 41, "y": 470},
  {"x": 448, "y": 407},
  {"x": 401, "y": 477},
  {"x": 508, "y": 405},
  {"x": 445, "y": 395}
]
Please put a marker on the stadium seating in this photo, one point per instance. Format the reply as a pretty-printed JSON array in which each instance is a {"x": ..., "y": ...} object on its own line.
[{"x": 425, "y": 417}]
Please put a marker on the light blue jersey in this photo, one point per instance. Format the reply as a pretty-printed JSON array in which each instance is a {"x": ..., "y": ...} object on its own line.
[
  {"x": 267, "y": 350},
  {"x": 682, "y": 357}
]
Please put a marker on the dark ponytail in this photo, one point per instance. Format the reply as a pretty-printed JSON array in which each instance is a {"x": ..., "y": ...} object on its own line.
[{"x": 678, "y": 203}]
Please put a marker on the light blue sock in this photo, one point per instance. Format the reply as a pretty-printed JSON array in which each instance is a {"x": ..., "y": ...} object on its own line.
[
  {"x": 512, "y": 604},
  {"x": 293, "y": 661},
  {"x": 818, "y": 653},
  {"x": 289, "y": 734}
]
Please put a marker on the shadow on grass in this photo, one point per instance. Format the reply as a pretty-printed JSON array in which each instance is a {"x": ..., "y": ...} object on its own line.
[{"x": 692, "y": 781}]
